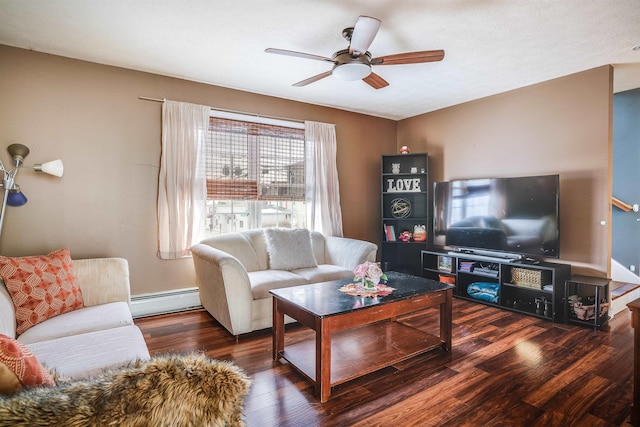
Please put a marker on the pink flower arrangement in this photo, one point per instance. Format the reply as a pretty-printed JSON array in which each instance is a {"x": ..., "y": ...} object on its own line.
[{"x": 369, "y": 274}]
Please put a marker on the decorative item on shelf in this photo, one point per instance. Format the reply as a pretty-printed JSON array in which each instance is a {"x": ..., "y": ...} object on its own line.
[
  {"x": 543, "y": 306},
  {"x": 419, "y": 233},
  {"x": 400, "y": 207},
  {"x": 12, "y": 194},
  {"x": 404, "y": 150},
  {"x": 410, "y": 185},
  {"x": 405, "y": 236},
  {"x": 414, "y": 170},
  {"x": 445, "y": 263},
  {"x": 395, "y": 168},
  {"x": 368, "y": 276},
  {"x": 548, "y": 308}
]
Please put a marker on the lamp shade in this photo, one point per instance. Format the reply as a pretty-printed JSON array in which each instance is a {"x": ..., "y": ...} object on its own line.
[
  {"x": 16, "y": 198},
  {"x": 351, "y": 71},
  {"x": 53, "y": 167}
]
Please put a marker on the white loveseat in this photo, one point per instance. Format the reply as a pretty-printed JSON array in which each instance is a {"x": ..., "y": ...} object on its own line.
[
  {"x": 83, "y": 342},
  {"x": 234, "y": 274}
]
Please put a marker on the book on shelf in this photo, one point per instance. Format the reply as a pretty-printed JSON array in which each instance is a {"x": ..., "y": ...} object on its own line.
[
  {"x": 389, "y": 233},
  {"x": 466, "y": 266}
]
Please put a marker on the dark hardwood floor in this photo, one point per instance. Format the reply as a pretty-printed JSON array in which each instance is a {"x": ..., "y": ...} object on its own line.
[{"x": 505, "y": 369}]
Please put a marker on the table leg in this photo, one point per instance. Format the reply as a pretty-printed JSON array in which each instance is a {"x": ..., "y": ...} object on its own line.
[
  {"x": 278, "y": 330},
  {"x": 323, "y": 360},
  {"x": 446, "y": 309}
]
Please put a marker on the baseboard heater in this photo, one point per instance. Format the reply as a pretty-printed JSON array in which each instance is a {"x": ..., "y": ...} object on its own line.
[{"x": 165, "y": 302}]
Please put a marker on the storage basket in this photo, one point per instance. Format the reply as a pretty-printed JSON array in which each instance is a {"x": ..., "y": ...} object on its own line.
[
  {"x": 445, "y": 278},
  {"x": 526, "y": 277}
]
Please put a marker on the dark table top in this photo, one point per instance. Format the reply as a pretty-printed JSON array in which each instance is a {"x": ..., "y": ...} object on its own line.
[{"x": 325, "y": 299}]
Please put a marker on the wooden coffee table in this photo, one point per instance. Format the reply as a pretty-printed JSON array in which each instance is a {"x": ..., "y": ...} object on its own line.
[{"x": 357, "y": 335}]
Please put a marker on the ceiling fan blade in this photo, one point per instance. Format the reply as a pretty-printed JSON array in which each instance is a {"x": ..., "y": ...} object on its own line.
[
  {"x": 364, "y": 32},
  {"x": 409, "y": 58},
  {"x": 312, "y": 79},
  {"x": 375, "y": 81},
  {"x": 298, "y": 54}
]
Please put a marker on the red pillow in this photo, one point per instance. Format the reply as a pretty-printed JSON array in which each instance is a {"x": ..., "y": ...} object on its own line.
[
  {"x": 19, "y": 368},
  {"x": 41, "y": 287}
]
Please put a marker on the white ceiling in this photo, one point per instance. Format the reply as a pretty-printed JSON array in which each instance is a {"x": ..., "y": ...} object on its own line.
[{"x": 491, "y": 46}]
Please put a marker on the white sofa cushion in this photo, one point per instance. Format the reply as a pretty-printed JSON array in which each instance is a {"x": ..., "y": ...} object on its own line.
[
  {"x": 289, "y": 249},
  {"x": 324, "y": 273},
  {"x": 88, "y": 319},
  {"x": 263, "y": 281},
  {"x": 84, "y": 355}
]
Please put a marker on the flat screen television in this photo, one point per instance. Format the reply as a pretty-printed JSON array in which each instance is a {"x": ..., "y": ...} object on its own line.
[{"x": 518, "y": 215}]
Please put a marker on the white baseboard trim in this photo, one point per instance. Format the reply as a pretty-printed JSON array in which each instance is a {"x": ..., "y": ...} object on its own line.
[{"x": 165, "y": 302}]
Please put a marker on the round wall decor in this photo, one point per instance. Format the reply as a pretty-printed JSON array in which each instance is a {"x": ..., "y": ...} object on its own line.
[{"x": 400, "y": 207}]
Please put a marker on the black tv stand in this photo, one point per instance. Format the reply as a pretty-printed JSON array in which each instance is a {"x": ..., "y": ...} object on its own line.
[{"x": 524, "y": 285}]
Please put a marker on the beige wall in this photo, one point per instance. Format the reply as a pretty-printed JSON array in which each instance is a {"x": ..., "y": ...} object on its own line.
[
  {"x": 562, "y": 126},
  {"x": 89, "y": 115}
]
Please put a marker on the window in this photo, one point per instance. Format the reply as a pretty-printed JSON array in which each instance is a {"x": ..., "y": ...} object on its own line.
[{"x": 255, "y": 176}]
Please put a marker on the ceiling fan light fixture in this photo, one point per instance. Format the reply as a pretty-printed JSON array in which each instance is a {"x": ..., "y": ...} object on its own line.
[
  {"x": 351, "y": 71},
  {"x": 355, "y": 62}
]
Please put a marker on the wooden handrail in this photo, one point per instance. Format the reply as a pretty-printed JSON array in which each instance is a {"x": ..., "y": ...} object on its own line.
[{"x": 620, "y": 204}]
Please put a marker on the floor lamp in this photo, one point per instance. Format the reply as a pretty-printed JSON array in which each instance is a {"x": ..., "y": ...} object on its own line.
[{"x": 12, "y": 195}]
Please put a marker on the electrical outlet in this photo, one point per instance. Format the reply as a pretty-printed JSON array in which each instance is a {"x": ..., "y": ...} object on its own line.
[{"x": 632, "y": 267}]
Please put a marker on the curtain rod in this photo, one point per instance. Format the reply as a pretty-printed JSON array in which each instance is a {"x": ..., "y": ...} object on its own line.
[{"x": 146, "y": 98}]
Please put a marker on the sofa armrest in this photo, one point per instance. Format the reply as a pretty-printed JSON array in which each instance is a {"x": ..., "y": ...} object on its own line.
[
  {"x": 7, "y": 313},
  {"x": 347, "y": 252},
  {"x": 103, "y": 280},
  {"x": 225, "y": 289}
]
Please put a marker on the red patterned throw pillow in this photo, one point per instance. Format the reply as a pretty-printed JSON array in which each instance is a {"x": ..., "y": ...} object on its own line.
[
  {"x": 41, "y": 287},
  {"x": 19, "y": 368}
]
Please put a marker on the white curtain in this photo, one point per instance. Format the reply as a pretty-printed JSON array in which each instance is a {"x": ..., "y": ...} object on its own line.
[
  {"x": 182, "y": 182},
  {"x": 322, "y": 189}
]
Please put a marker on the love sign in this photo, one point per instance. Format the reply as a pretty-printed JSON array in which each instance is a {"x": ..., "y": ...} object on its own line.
[{"x": 403, "y": 184}]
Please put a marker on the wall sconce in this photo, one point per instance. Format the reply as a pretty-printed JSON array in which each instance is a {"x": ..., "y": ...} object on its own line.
[{"x": 12, "y": 195}]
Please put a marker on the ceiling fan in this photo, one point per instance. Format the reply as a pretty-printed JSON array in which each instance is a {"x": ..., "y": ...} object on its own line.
[{"x": 355, "y": 62}]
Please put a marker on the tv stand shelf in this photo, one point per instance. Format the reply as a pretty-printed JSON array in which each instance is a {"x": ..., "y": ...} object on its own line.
[{"x": 535, "y": 288}]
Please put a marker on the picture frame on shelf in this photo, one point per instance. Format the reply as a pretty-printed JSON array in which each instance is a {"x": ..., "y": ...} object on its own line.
[{"x": 444, "y": 263}]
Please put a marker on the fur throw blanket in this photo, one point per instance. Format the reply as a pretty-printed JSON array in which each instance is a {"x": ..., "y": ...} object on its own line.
[{"x": 170, "y": 390}]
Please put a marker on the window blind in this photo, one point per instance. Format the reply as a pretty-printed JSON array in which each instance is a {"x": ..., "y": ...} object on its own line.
[{"x": 254, "y": 161}]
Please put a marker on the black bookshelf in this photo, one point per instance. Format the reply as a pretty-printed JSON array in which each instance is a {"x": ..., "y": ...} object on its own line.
[{"x": 405, "y": 211}]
